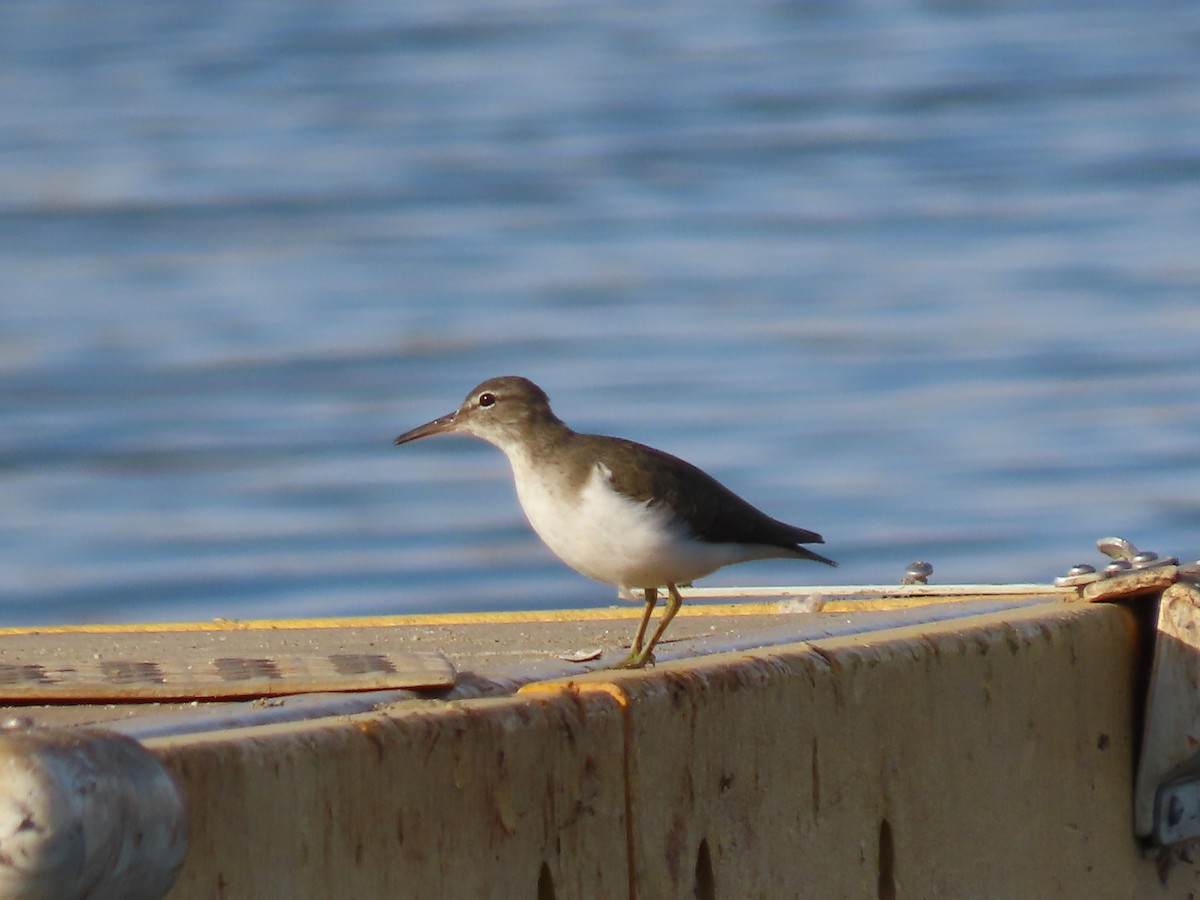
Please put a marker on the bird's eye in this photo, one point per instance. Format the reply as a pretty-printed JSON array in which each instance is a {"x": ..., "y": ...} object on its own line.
[{"x": 487, "y": 399}]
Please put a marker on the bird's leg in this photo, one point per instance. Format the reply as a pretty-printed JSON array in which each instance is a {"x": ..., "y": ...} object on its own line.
[
  {"x": 636, "y": 659},
  {"x": 636, "y": 648},
  {"x": 651, "y": 595},
  {"x": 672, "y": 607}
]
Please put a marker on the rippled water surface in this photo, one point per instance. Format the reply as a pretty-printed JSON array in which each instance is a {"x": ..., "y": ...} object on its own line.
[{"x": 922, "y": 277}]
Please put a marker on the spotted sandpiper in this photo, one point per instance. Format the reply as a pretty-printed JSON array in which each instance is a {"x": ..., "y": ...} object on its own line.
[{"x": 616, "y": 510}]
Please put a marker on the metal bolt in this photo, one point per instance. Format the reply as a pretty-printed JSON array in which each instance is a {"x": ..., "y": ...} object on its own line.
[
  {"x": 1116, "y": 567},
  {"x": 1077, "y": 576},
  {"x": 1117, "y": 548},
  {"x": 918, "y": 572},
  {"x": 1148, "y": 559}
]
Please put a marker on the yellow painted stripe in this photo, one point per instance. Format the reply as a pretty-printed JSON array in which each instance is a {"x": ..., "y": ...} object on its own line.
[{"x": 631, "y": 611}]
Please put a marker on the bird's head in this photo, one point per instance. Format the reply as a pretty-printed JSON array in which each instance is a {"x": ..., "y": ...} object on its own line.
[{"x": 501, "y": 411}]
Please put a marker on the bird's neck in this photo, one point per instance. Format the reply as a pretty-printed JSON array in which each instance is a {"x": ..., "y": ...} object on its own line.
[{"x": 538, "y": 441}]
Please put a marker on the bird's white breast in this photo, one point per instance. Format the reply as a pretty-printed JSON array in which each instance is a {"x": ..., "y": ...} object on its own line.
[{"x": 611, "y": 537}]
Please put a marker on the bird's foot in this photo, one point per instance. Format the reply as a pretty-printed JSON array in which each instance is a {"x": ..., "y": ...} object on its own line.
[{"x": 635, "y": 660}]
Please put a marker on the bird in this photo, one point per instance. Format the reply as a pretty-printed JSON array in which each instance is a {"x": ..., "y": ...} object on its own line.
[{"x": 616, "y": 510}]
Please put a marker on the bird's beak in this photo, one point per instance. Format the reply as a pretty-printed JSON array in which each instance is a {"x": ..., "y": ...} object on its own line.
[{"x": 437, "y": 426}]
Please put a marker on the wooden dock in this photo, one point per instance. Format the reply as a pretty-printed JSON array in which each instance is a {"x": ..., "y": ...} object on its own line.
[{"x": 914, "y": 742}]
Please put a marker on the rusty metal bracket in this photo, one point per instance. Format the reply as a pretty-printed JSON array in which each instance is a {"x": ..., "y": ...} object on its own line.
[
  {"x": 1166, "y": 801},
  {"x": 1167, "y": 785},
  {"x": 1131, "y": 571}
]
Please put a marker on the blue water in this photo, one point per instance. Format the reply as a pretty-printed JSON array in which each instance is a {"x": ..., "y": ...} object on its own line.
[{"x": 924, "y": 277}]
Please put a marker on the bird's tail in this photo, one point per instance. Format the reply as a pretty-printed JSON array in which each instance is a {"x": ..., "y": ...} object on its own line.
[{"x": 805, "y": 553}]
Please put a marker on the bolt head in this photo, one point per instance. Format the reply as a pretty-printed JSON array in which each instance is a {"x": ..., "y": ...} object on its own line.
[{"x": 918, "y": 572}]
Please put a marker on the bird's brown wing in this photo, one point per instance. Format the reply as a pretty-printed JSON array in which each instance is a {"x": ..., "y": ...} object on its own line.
[{"x": 711, "y": 511}]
